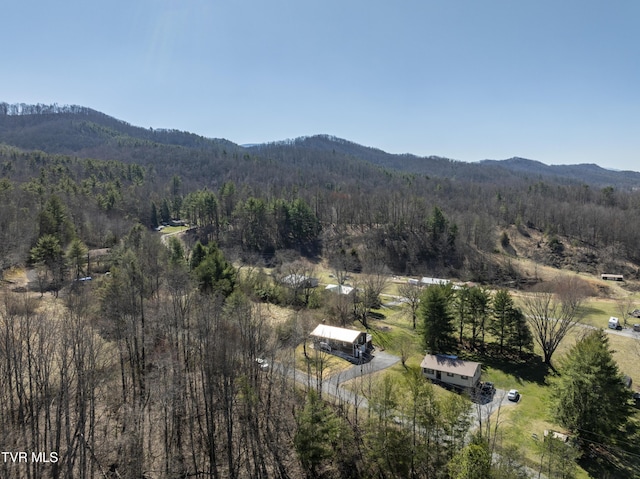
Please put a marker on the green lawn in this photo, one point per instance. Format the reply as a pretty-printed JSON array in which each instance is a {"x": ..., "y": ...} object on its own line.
[
  {"x": 596, "y": 312},
  {"x": 522, "y": 423}
]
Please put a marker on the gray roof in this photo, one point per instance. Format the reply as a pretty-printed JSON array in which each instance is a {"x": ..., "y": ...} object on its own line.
[{"x": 449, "y": 364}]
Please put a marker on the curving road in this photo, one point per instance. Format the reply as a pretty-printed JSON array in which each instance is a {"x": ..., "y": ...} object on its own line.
[{"x": 331, "y": 385}]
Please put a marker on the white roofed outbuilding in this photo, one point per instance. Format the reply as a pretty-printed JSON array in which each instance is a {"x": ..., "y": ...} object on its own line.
[
  {"x": 426, "y": 281},
  {"x": 349, "y": 341},
  {"x": 299, "y": 281}
]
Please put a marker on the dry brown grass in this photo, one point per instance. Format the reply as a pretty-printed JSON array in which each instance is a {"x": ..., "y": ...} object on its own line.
[
  {"x": 319, "y": 361},
  {"x": 274, "y": 315},
  {"x": 16, "y": 275},
  {"x": 523, "y": 248}
]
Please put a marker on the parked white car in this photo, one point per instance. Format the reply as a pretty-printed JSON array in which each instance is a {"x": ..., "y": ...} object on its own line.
[{"x": 513, "y": 395}]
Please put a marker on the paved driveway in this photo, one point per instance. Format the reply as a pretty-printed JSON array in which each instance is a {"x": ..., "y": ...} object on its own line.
[
  {"x": 332, "y": 385},
  {"x": 482, "y": 411},
  {"x": 379, "y": 361}
]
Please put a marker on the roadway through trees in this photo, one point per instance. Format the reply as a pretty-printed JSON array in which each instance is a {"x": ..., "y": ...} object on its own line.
[{"x": 332, "y": 385}]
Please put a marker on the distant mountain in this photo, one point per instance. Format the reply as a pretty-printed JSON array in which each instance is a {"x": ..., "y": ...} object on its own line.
[
  {"x": 434, "y": 166},
  {"x": 388, "y": 201},
  {"x": 83, "y": 132},
  {"x": 484, "y": 171},
  {"x": 587, "y": 173},
  {"x": 80, "y": 131}
]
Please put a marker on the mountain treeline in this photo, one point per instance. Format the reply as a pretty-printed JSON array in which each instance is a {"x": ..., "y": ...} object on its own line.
[
  {"x": 357, "y": 204},
  {"x": 157, "y": 369}
]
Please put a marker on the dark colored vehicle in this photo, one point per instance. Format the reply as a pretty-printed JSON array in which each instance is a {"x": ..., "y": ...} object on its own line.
[{"x": 487, "y": 388}]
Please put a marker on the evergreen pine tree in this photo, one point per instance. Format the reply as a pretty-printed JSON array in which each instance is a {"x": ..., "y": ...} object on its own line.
[
  {"x": 437, "y": 319},
  {"x": 589, "y": 398}
]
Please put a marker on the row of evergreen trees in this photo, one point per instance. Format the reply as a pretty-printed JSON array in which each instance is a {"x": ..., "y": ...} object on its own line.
[
  {"x": 463, "y": 316},
  {"x": 254, "y": 224}
]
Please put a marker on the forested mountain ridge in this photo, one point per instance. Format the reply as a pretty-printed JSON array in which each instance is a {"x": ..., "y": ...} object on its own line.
[
  {"x": 81, "y": 131},
  {"x": 485, "y": 170},
  {"x": 174, "y": 364},
  {"x": 84, "y": 132},
  {"x": 587, "y": 173},
  {"x": 416, "y": 214}
]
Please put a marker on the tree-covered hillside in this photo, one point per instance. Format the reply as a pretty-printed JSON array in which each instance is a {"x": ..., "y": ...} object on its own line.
[
  {"x": 184, "y": 275},
  {"x": 415, "y": 214}
]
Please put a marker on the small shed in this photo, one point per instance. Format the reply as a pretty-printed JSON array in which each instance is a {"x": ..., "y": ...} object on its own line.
[
  {"x": 556, "y": 435},
  {"x": 349, "y": 341},
  {"x": 611, "y": 277},
  {"x": 452, "y": 371}
]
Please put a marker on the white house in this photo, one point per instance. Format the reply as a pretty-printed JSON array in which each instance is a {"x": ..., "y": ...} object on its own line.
[
  {"x": 340, "y": 289},
  {"x": 299, "y": 281},
  {"x": 451, "y": 371}
]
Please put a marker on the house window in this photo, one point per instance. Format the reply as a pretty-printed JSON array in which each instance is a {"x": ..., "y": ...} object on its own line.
[
  {"x": 450, "y": 375},
  {"x": 429, "y": 371},
  {"x": 464, "y": 377}
]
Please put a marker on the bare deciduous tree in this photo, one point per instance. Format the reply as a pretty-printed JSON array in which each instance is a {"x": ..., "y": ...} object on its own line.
[
  {"x": 553, "y": 311},
  {"x": 297, "y": 277},
  {"x": 411, "y": 294},
  {"x": 624, "y": 307}
]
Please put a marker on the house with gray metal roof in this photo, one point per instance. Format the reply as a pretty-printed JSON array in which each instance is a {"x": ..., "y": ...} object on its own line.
[{"x": 452, "y": 371}]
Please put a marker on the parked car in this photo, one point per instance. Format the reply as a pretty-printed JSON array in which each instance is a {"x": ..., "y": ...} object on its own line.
[
  {"x": 513, "y": 395},
  {"x": 487, "y": 388},
  {"x": 636, "y": 328}
]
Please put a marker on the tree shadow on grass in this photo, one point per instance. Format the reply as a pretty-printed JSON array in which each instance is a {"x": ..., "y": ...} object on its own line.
[
  {"x": 592, "y": 311},
  {"x": 618, "y": 457},
  {"x": 610, "y": 462},
  {"x": 528, "y": 367}
]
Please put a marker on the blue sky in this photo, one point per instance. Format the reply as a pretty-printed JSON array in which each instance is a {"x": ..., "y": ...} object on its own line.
[{"x": 554, "y": 81}]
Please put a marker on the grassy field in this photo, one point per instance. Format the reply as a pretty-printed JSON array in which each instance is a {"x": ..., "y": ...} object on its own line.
[
  {"x": 597, "y": 311},
  {"x": 319, "y": 361},
  {"x": 524, "y": 424}
]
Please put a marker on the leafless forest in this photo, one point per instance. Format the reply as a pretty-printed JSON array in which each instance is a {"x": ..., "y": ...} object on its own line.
[{"x": 149, "y": 370}]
